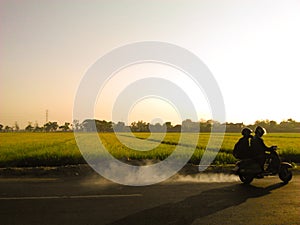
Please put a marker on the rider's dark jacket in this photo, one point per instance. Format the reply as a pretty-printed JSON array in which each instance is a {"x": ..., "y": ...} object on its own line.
[
  {"x": 242, "y": 148},
  {"x": 258, "y": 146}
]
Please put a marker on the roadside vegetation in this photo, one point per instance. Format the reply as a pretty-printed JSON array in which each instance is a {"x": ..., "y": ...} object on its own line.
[{"x": 60, "y": 148}]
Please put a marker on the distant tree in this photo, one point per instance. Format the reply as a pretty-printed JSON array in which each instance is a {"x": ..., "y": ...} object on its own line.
[
  {"x": 190, "y": 126},
  {"x": 262, "y": 123},
  {"x": 50, "y": 126},
  {"x": 76, "y": 125},
  {"x": 1, "y": 127},
  {"x": 273, "y": 124},
  {"x": 187, "y": 125},
  {"x": 47, "y": 127},
  {"x": 291, "y": 123},
  {"x": 36, "y": 128},
  {"x": 16, "y": 127},
  {"x": 119, "y": 127},
  {"x": 176, "y": 128},
  {"x": 133, "y": 127},
  {"x": 139, "y": 126},
  {"x": 234, "y": 127},
  {"x": 216, "y": 125},
  {"x": 29, "y": 127},
  {"x": 89, "y": 125},
  {"x": 157, "y": 127},
  {"x": 8, "y": 129},
  {"x": 168, "y": 126},
  {"x": 104, "y": 126},
  {"x": 65, "y": 127}
]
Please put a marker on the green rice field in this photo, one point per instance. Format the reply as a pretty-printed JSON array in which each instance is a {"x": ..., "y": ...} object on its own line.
[{"x": 56, "y": 149}]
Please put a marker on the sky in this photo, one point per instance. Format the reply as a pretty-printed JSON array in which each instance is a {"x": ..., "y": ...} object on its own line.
[{"x": 252, "y": 48}]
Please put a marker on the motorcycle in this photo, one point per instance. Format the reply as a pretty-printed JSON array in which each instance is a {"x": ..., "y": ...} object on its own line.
[{"x": 248, "y": 169}]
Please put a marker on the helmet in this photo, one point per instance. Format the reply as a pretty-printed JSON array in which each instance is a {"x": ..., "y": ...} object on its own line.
[
  {"x": 246, "y": 131},
  {"x": 260, "y": 131}
]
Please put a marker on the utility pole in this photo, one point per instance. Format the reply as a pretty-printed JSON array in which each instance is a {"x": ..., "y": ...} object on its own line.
[{"x": 46, "y": 115}]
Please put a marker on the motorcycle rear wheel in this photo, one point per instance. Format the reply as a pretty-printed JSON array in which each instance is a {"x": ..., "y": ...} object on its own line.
[
  {"x": 246, "y": 179},
  {"x": 285, "y": 174}
]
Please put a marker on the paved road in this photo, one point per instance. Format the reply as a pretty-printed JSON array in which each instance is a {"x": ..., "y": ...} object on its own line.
[{"x": 93, "y": 200}]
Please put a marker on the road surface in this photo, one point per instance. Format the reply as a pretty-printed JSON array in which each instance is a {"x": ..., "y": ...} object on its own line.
[{"x": 181, "y": 200}]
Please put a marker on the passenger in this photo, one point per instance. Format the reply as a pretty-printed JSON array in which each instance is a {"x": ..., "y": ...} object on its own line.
[{"x": 242, "y": 147}]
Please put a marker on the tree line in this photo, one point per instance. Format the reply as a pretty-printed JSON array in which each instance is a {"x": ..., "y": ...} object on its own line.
[
  {"x": 94, "y": 125},
  {"x": 47, "y": 127}
]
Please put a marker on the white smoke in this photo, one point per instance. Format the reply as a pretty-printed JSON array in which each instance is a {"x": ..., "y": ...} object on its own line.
[
  {"x": 195, "y": 178},
  {"x": 205, "y": 178}
]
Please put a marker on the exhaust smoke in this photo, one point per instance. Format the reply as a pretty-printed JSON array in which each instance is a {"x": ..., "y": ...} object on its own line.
[{"x": 205, "y": 178}]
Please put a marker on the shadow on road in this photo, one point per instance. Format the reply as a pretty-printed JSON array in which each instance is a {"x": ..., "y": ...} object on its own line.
[{"x": 197, "y": 206}]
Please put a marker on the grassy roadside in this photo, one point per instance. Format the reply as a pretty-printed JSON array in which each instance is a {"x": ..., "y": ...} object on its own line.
[{"x": 60, "y": 149}]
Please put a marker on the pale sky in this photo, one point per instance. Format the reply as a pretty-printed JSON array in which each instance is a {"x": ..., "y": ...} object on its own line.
[{"x": 251, "y": 47}]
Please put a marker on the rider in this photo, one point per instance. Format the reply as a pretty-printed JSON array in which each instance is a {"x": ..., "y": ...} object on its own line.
[
  {"x": 258, "y": 146},
  {"x": 242, "y": 148}
]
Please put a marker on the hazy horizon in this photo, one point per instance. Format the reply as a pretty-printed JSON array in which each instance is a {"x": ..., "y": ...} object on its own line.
[{"x": 153, "y": 122}]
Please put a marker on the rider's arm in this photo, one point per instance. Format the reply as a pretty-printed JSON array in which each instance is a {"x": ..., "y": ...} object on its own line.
[{"x": 266, "y": 148}]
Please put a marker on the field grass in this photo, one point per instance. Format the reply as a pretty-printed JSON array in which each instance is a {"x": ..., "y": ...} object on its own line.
[{"x": 55, "y": 149}]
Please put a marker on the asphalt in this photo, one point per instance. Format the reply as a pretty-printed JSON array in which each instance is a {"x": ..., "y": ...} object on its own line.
[{"x": 206, "y": 198}]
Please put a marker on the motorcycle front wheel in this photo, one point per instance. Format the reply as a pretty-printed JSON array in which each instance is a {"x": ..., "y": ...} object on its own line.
[
  {"x": 246, "y": 179},
  {"x": 285, "y": 174}
]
